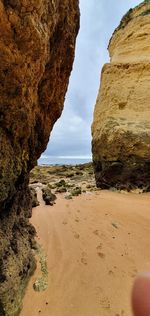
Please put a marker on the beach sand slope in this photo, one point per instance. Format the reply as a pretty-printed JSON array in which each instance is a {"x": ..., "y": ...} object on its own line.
[{"x": 94, "y": 246}]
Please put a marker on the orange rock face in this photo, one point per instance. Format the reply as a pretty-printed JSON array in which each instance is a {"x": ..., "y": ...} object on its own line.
[
  {"x": 121, "y": 127},
  {"x": 37, "y": 42}
]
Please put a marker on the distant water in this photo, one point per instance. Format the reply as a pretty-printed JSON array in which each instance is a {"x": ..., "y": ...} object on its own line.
[{"x": 63, "y": 160}]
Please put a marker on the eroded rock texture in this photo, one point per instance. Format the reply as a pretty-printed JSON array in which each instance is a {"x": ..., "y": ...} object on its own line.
[
  {"x": 121, "y": 127},
  {"x": 37, "y": 40}
]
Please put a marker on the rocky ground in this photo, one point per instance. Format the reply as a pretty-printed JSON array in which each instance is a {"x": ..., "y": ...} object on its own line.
[{"x": 66, "y": 179}]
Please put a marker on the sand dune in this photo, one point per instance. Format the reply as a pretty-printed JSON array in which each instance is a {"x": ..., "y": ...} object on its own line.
[{"x": 95, "y": 244}]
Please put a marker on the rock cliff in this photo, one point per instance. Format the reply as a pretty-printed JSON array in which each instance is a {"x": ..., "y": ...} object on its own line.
[
  {"x": 121, "y": 127},
  {"x": 37, "y": 41}
]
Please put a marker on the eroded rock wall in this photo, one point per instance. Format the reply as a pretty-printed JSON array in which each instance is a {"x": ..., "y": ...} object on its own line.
[
  {"x": 37, "y": 42},
  {"x": 121, "y": 127}
]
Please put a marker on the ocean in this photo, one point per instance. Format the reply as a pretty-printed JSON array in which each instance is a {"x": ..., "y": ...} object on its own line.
[{"x": 63, "y": 160}]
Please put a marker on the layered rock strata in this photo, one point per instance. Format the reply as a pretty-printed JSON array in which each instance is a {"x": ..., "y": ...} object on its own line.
[
  {"x": 121, "y": 127},
  {"x": 37, "y": 41}
]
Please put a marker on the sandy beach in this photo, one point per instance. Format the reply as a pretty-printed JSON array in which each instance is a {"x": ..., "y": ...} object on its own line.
[{"x": 94, "y": 245}]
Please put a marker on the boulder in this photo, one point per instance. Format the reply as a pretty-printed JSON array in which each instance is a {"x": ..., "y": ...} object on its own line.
[{"x": 48, "y": 196}]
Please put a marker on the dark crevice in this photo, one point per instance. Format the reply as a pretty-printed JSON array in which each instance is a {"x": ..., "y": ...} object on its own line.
[
  {"x": 123, "y": 175},
  {"x": 2, "y": 311}
]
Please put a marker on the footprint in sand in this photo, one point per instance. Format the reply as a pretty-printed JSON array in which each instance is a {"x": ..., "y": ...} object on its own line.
[
  {"x": 96, "y": 232},
  {"x": 99, "y": 247},
  {"x": 105, "y": 303},
  {"x": 76, "y": 235},
  {"x": 64, "y": 222},
  {"x": 77, "y": 220},
  {"x": 101, "y": 255},
  {"x": 84, "y": 258},
  {"x": 111, "y": 272},
  {"x": 84, "y": 261},
  {"x": 98, "y": 290},
  {"x": 134, "y": 273},
  {"x": 122, "y": 313}
]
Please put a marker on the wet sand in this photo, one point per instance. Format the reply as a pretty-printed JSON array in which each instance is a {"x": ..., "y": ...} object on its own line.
[{"x": 95, "y": 245}]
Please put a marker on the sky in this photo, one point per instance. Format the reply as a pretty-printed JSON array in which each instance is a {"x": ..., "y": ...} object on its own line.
[{"x": 71, "y": 135}]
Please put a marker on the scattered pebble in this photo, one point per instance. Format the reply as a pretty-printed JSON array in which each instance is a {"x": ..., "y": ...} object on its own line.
[{"x": 114, "y": 225}]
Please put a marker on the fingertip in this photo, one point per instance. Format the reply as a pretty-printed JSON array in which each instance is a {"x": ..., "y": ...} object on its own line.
[{"x": 141, "y": 295}]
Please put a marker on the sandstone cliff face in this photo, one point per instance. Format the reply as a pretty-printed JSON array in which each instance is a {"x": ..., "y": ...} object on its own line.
[
  {"x": 37, "y": 41},
  {"x": 121, "y": 127}
]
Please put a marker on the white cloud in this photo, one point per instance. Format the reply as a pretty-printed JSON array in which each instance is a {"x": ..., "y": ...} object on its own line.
[{"x": 72, "y": 133}]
